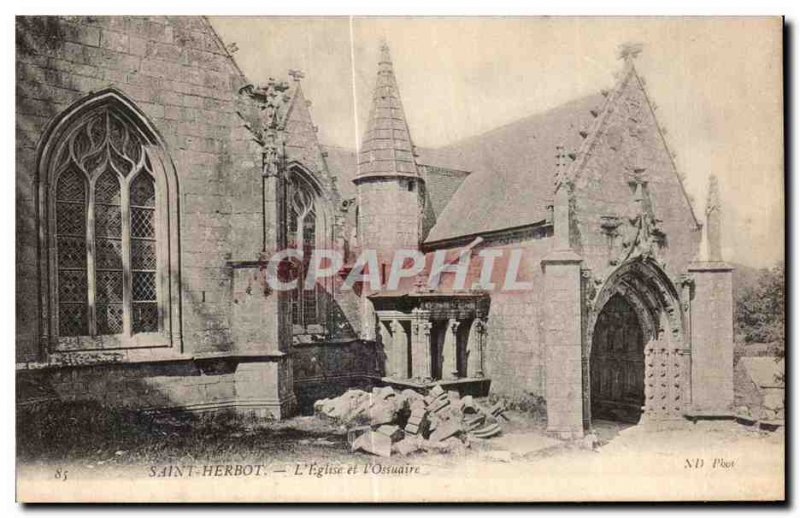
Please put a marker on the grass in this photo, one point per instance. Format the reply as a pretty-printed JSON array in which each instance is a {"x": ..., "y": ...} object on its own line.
[{"x": 91, "y": 433}]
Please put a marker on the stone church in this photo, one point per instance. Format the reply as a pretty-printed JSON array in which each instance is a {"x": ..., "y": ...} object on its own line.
[{"x": 154, "y": 181}]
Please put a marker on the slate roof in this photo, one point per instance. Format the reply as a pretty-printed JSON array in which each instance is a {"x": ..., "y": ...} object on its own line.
[
  {"x": 386, "y": 148},
  {"x": 441, "y": 184},
  {"x": 512, "y": 168},
  {"x": 342, "y": 165}
]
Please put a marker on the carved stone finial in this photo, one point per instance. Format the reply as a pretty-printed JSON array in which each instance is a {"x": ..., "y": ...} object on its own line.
[
  {"x": 629, "y": 51},
  {"x": 713, "y": 228},
  {"x": 265, "y": 122},
  {"x": 712, "y": 201}
]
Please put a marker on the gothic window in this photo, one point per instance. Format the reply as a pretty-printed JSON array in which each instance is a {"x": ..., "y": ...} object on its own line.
[
  {"x": 303, "y": 235},
  {"x": 109, "y": 230}
]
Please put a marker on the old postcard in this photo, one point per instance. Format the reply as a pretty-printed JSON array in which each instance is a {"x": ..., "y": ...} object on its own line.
[{"x": 362, "y": 259}]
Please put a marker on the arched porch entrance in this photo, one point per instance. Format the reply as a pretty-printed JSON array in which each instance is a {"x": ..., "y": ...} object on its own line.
[
  {"x": 617, "y": 363},
  {"x": 636, "y": 362}
]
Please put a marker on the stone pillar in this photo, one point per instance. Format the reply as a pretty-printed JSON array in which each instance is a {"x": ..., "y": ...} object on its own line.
[
  {"x": 711, "y": 316},
  {"x": 399, "y": 350},
  {"x": 563, "y": 343},
  {"x": 450, "y": 350},
  {"x": 421, "y": 345},
  {"x": 475, "y": 345},
  {"x": 563, "y": 332},
  {"x": 260, "y": 317},
  {"x": 387, "y": 341}
]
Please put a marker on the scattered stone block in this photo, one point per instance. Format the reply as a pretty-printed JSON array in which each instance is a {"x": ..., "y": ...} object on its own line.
[
  {"x": 445, "y": 430},
  {"x": 498, "y": 410},
  {"x": 417, "y": 422},
  {"x": 374, "y": 443},
  {"x": 391, "y": 431},
  {"x": 319, "y": 405},
  {"x": 383, "y": 393},
  {"x": 407, "y": 446},
  {"x": 487, "y": 431},
  {"x": 437, "y": 391},
  {"x": 475, "y": 422},
  {"x": 438, "y": 405},
  {"x": 382, "y": 412},
  {"x": 433, "y": 422},
  {"x": 411, "y": 395},
  {"x": 356, "y": 432},
  {"x": 467, "y": 405},
  {"x": 417, "y": 405}
]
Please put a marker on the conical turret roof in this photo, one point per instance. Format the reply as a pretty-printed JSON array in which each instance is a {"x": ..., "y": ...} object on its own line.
[{"x": 387, "y": 149}]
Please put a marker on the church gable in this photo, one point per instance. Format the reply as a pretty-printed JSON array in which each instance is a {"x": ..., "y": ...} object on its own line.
[
  {"x": 302, "y": 145},
  {"x": 624, "y": 170}
]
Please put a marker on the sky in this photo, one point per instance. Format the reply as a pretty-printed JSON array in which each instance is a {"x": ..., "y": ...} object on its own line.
[{"x": 717, "y": 83}]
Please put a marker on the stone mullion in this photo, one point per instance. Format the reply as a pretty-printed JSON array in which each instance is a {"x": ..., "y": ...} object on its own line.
[
  {"x": 127, "y": 276},
  {"x": 90, "y": 261}
]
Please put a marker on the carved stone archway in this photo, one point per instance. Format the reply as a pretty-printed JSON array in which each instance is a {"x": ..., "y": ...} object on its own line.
[{"x": 651, "y": 295}]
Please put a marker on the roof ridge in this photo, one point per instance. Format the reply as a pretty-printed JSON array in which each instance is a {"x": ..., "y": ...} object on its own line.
[{"x": 524, "y": 118}]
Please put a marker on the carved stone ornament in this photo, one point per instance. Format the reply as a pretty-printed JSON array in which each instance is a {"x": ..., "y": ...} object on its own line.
[
  {"x": 265, "y": 123},
  {"x": 639, "y": 234}
]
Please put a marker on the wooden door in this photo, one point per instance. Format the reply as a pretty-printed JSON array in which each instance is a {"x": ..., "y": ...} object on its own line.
[{"x": 617, "y": 363}]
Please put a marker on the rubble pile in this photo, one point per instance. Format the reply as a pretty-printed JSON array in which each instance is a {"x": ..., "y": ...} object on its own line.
[{"x": 385, "y": 422}]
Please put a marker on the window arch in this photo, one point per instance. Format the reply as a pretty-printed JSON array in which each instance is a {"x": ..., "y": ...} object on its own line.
[
  {"x": 108, "y": 194},
  {"x": 307, "y": 230}
]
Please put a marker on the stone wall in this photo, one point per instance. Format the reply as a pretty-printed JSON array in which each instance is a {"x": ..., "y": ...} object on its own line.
[
  {"x": 179, "y": 74},
  {"x": 197, "y": 386},
  {"x": 514, "y": 349},
  {"x": 514, "y": 355},
  {"x": 389, "y": 214},
  {"x": 328, "y": 368}
]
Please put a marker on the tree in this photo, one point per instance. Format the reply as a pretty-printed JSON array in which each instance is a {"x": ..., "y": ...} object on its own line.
[{"x": 759, "y": 314}]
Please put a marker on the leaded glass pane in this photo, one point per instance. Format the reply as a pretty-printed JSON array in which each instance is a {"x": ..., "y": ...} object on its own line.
[
  {"x": 72, "y": 286},
  {"x": 310, "y": 306},
  {"x": 144, "y": 286},
  {"x": 109, "y": 254},
  {"x": 106, "y": 190},
  {"x": 143, "y": 254},
  {"x": 145, "y": 317},
  {"x": 109, "y": 319},
  {"x": 71, "y": 252},
  {"x": 71, "y": 219},
  {"x": 108, "y": 287},
  {"x": 72, "y": 289},
  {"x": 143, "y": 193},
  {"x": 107, "y": 220},
  {"x": 71, "y": 187},
  {"x": 72, "y": 319},
  {"x": 142, "y": 222}
]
